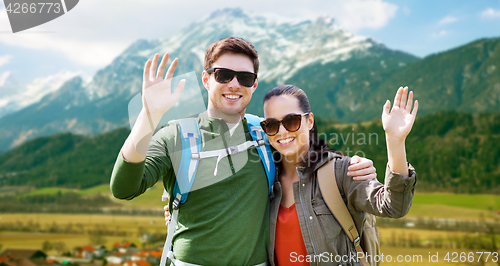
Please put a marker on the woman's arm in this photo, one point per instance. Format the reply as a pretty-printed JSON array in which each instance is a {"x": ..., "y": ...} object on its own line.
[
  {"x": 394, "y": 197},
  {"x": 397, "y": 124}
]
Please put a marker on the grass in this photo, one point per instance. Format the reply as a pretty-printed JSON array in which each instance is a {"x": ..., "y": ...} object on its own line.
[
  {"x": 436, "y": 205},
  {"x": 101, "y": 189},
  {"x": 150, "y": 199},
  {"x": 448, "y": 212},
  {"x": 128, "y": 223},
  {"x": 478, "y": 202},
  {"x": 48, "y": 190},
  {"x": 35, "y": 240}
]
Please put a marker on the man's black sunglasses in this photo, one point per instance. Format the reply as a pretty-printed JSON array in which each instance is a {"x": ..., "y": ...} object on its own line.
[
  {"x": 291, "y": 122},
  {"x": 224, "y": 75}
]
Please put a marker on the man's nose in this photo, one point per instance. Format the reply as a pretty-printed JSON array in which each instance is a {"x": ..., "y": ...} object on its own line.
[{"x": 234, "y": 83}]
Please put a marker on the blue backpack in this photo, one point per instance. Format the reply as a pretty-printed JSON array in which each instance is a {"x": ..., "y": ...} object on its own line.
[{"x": 192, "y": 154}]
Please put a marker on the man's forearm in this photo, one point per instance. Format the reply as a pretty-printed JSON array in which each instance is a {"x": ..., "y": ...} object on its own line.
[
  {"x": 396, "y": 155},
  {"x": 135, "y": 147}
]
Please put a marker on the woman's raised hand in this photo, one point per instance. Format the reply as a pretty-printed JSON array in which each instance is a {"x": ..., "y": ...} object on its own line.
[
  {"x": 398, "y": 122},
  {"x": 156, "y": 96}
]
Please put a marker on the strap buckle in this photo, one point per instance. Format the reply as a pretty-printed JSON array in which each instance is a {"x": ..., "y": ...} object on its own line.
[
  {"x": 261, "y": 142},
  {"x": 357, "y": 241},
  {"x": 232, "y": 150},
  {"x": 176, "y": 203},
  {"x": 195, "y": 156}
]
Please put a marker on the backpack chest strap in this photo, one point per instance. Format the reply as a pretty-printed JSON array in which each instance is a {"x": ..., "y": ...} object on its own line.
[{"x": 222, "y": 153}]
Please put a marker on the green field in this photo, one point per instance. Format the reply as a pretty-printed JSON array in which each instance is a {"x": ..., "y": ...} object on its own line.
[
  {"x": 104, "y": 188},
  {"x": 470, "y": 204},
  {"x": 478, "y": 202},
  {"x": 48, "y": 190}
]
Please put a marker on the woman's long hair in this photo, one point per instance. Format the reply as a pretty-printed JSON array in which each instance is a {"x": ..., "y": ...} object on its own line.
[{"x": 317, "y": 147}]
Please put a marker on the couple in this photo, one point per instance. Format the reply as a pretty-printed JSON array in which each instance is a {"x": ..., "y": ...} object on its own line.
[{"x": 226, "y": 221}]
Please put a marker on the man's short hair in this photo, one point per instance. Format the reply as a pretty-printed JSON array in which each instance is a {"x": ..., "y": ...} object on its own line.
[{"x": 232, "y": 45}]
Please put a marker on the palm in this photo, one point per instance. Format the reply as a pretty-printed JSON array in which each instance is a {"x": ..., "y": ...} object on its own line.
[
  {"x": 156, "y": 95},
  {"x": 398, "y": 122}
]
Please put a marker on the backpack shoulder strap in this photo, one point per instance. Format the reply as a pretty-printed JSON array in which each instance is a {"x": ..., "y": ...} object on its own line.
[
  {"x": 263, "y": 148},
  {"x": 333, "y": 199},
  {"x": 189, "y": 131}
]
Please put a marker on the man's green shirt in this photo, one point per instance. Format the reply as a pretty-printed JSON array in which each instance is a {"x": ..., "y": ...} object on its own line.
[{"x": 225, "y": 220}]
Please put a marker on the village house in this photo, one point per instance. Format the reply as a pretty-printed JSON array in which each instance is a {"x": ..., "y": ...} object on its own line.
[
  {"x": 89, "y": 252},
  {"x": 23, "y": 257}
]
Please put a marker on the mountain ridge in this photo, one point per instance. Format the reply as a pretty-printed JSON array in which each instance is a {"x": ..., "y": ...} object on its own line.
[{"x": 345, "y": 76}]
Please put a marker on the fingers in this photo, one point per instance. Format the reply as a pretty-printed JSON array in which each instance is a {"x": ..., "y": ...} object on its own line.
[
  {"x": 403, "y": 98},
  {"x": 410, "y": 102},
  {"x": 415, "y": 109},
  {"x": 362, "y": 164},
  {"x": 163, "y": 64},
  {"x": 387, "y": 108},
  {"x": 146, "y": 70},
  {"x": 153, "y": 66},
  {"x": 180, "y": 88},
  {"x": 355, "y": 159},
  {"x": 171, "y": 69},
  {"x": 397, "y": 98},
  {"x": 361, "y": 172},
  {"x": 365, "y": 177},
  {"x": 167, "y": 214}
]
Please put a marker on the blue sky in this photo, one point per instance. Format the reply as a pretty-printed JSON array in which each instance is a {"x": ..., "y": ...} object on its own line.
[{"x": 88, "y": 37}]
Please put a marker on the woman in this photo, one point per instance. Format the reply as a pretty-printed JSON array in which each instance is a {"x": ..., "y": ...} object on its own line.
[{"x": 301, "y": 223}]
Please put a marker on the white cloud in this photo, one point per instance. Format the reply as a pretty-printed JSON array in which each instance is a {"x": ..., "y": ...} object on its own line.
[
  {"x": 36, "y": 89},
  {"x": 5, "y": 59},
  {"x": 359, "y": 14},
  {"x": 3, "y": 77},
  {"x": 490, "y": 13},
  {"x": 95, "y": 31},
  {"x": 447, "y": 20},
  {"x": 440, "y": 34}
]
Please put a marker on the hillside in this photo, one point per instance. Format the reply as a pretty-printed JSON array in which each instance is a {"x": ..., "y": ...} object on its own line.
[
  {"x": 452, "y": 152},
  {"x": 62, "y": 160}
]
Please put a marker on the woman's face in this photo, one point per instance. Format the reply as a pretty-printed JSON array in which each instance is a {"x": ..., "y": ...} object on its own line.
[{"x": 292, "y": 145}]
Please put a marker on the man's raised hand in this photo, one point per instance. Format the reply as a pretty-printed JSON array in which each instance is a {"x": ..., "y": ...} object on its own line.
[{"x": 157, "y": 98}]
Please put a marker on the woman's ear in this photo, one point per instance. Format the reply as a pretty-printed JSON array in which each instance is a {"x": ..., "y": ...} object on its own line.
[{"x": 310, "y": 121}]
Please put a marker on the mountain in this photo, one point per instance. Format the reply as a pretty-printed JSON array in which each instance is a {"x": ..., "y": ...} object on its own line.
[
  {"x": 62, "y": 160},
  {"x": 289, "y": 51},
  {"x": 451, "y": 152},
  {"x": 15, "y": 95},
  {"x": 347, "y": 77},
  {"x": 466, "y": 78},
  {"x": 9, "y": 86}
]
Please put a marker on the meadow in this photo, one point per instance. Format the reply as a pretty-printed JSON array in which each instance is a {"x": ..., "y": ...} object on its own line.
[{"x": 115, "y": 228}]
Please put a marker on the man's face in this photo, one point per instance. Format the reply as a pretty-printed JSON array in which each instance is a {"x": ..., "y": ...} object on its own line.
[{"x": 230, "y": 98}]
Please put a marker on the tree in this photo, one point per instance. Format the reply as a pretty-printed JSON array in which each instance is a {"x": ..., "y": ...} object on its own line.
[
  {"x": 97, "y": 239},
  {"x": 47, "y": 246}
]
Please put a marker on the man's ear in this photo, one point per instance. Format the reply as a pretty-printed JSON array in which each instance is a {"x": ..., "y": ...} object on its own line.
[
  {"x": 310, "y": 121},
  {"x": 205, "y": 77},
  {"x": 254, "y": 87}
]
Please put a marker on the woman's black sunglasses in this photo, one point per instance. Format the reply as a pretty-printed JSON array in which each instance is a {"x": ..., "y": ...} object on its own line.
[
  {"x": 291, "y": 122},
  {"x": 224, "y": 75}
]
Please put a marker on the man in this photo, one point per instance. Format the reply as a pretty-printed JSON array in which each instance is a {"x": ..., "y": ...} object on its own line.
[{"x": 226, "y": 219}]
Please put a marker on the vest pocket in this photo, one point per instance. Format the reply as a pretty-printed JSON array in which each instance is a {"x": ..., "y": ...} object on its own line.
[{"x": 329, "y": 225}]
